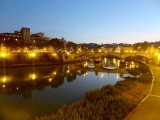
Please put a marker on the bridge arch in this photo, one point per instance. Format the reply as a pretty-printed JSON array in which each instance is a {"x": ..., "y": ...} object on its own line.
[{"x": 122, "y": 56}]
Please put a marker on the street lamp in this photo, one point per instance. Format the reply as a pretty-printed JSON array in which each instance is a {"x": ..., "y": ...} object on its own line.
[
  {"x": 32, "y": 54},
  {"x": 55, "y": 55},
  {"x": 3, "y": 54}
]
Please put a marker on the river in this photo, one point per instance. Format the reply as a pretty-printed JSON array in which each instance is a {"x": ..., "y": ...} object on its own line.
[{"x": 26, "y": 92}]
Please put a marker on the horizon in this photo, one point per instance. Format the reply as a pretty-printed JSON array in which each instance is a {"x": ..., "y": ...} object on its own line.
[{"x": 81, "y": 21}]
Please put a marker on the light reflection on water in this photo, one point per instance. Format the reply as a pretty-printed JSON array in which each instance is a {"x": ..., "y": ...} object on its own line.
[{"x": 29, "y": 91}]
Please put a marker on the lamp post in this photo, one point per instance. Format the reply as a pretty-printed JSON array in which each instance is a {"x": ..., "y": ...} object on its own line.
[
  {"x": 3, "y": 55},
  {"x": 32, "y": 55}
]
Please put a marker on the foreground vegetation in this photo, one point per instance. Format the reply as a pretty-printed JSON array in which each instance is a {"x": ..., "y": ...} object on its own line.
[{"x": 108, "y": 103}]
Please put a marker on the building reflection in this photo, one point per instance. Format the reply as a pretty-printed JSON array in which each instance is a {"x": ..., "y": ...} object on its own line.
[{"x": 24, "y": 80}]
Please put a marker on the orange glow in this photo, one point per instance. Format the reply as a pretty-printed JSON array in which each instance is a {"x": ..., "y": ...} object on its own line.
[
  {"x": 32, "y": 76},
  {"x": 32, "y": 54},
  {"x": 54, "y": 54},
  {"x": 3, "y": 54},
  {"x": 54, "y": 73},
  {"x": 50, "y": 79},
  {"x": 4, "y": 79}
]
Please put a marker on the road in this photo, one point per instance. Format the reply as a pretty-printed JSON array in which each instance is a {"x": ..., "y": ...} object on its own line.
[{"x": 149, "y": 109}]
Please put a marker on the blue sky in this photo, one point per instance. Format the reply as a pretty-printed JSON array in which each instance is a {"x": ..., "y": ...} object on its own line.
[{"x": 85, "y": 21}]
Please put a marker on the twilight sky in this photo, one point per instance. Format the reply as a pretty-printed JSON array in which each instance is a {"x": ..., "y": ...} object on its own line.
[{"x": 85, "y": 21}]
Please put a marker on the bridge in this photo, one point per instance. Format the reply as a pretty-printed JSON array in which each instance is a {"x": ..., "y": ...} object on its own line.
[{"x": 98, "y": 56}]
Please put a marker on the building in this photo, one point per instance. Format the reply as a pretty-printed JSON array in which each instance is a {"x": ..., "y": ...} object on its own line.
[
  {"x": 23, "y": 36},
  {"x": 11, "y": 37},
  {"x": 37, "y": 38},
  {"x": 26, "y": 34}
]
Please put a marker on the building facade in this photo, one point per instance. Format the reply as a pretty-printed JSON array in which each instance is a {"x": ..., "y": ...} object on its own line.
[
  {"x": 23, "y": 36},
  {"x": 26, "y": 34}
]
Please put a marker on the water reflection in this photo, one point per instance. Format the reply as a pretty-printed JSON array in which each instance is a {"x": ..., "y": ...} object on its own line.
[
  {"x": 110, "y": 63},
  {"x": 44, "y": 89},
  {"x": 23, "y": 81},
  {"x": 131, "y": 65}
]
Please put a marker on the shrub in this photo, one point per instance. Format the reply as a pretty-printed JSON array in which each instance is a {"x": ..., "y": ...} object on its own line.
[{"x": 145, "y": 78}]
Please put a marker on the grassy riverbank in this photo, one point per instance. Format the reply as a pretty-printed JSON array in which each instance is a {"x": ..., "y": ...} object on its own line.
[
  {"x": 109, "y": 102},
  {"x": 39, "y": 59}
]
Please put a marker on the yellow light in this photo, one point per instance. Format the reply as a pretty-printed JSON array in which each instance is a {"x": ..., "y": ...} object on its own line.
[
  {"x": 50, "y": 79},
  {"x": 54, "y": 54},
  {"x": 4, "y": 79},
  {"x": 3, "y": 54},
  {"x": 156, "y": 53},
  {"x": 158, "y": 56},
  {"x": 105, "y": 60},
  {"x": 68, "y": 71},
  {"x": 54, "y": 73},
  {"x": 68, "y": 53},
  {"x": 32, "y": 54},
  {"x": 32, "y": 76},
  {"x": 3, "y": 86}
]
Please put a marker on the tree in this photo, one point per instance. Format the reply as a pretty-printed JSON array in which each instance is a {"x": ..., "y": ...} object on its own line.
[
  {"x": 142, "y": 46},
  {"x": 56, "y": 44},
  {"x": 71, "y": 46}
]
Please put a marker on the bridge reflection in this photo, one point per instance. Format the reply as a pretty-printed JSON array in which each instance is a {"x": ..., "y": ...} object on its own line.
[{"x": 26, "y": 79}]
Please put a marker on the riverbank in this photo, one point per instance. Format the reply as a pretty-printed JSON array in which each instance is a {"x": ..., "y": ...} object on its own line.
[
  {"x": 109, "y": 102},
  {"x": 40, "y": 64},
  {"x": 150, "y": 105},
  {"x": 39, "y": 59}
]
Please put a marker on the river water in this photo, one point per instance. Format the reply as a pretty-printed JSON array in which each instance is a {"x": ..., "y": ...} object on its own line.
[{"x": 26, "y": 92}]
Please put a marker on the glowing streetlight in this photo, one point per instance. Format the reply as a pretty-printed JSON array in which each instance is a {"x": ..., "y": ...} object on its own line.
[
  {"x": 50, "y": 79},
  {"x": 32, "y": 54},
  {"x": 4, "y": 79},
  {"x": 3, "y": 54},
  {"x": 32, "y": 76},
  {"x": 54, "y": 54}
]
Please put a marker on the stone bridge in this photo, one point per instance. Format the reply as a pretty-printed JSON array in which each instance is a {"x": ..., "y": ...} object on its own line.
[{"x": 122, "y": 56}]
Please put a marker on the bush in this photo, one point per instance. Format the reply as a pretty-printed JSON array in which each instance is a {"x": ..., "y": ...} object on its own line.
[
  {"x": 107, "y": 108},
  {"x": 145, "y": 78}
]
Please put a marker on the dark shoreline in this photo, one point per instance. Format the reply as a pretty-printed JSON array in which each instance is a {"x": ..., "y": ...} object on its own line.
[{"x": 39, "y": 64}]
